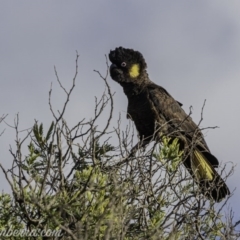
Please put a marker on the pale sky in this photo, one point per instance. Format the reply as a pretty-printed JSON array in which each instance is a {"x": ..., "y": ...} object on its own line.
[{"x": 192, "y": 49}]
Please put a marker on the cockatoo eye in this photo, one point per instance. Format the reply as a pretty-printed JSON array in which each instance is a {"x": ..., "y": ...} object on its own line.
[{"x": 123, "y": 64}]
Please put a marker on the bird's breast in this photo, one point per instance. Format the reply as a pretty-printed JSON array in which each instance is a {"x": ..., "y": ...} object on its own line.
[{"x": 141, "y": 111}]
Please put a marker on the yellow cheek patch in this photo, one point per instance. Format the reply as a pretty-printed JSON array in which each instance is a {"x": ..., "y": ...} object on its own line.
[{"x": 134, "y": 71}]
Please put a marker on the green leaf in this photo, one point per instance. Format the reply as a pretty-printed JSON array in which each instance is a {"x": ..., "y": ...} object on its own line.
[
  {"x": 32, "y": 159},
  {"x": 49, "y": 133},
  {"x": 37, "y": 134},
  {"x": 31, "y": 148},
  {"x": 41, "y": 129}
]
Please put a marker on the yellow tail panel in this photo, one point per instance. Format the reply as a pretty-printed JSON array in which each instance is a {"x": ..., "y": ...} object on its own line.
[{"x": 201, "y": 168}]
